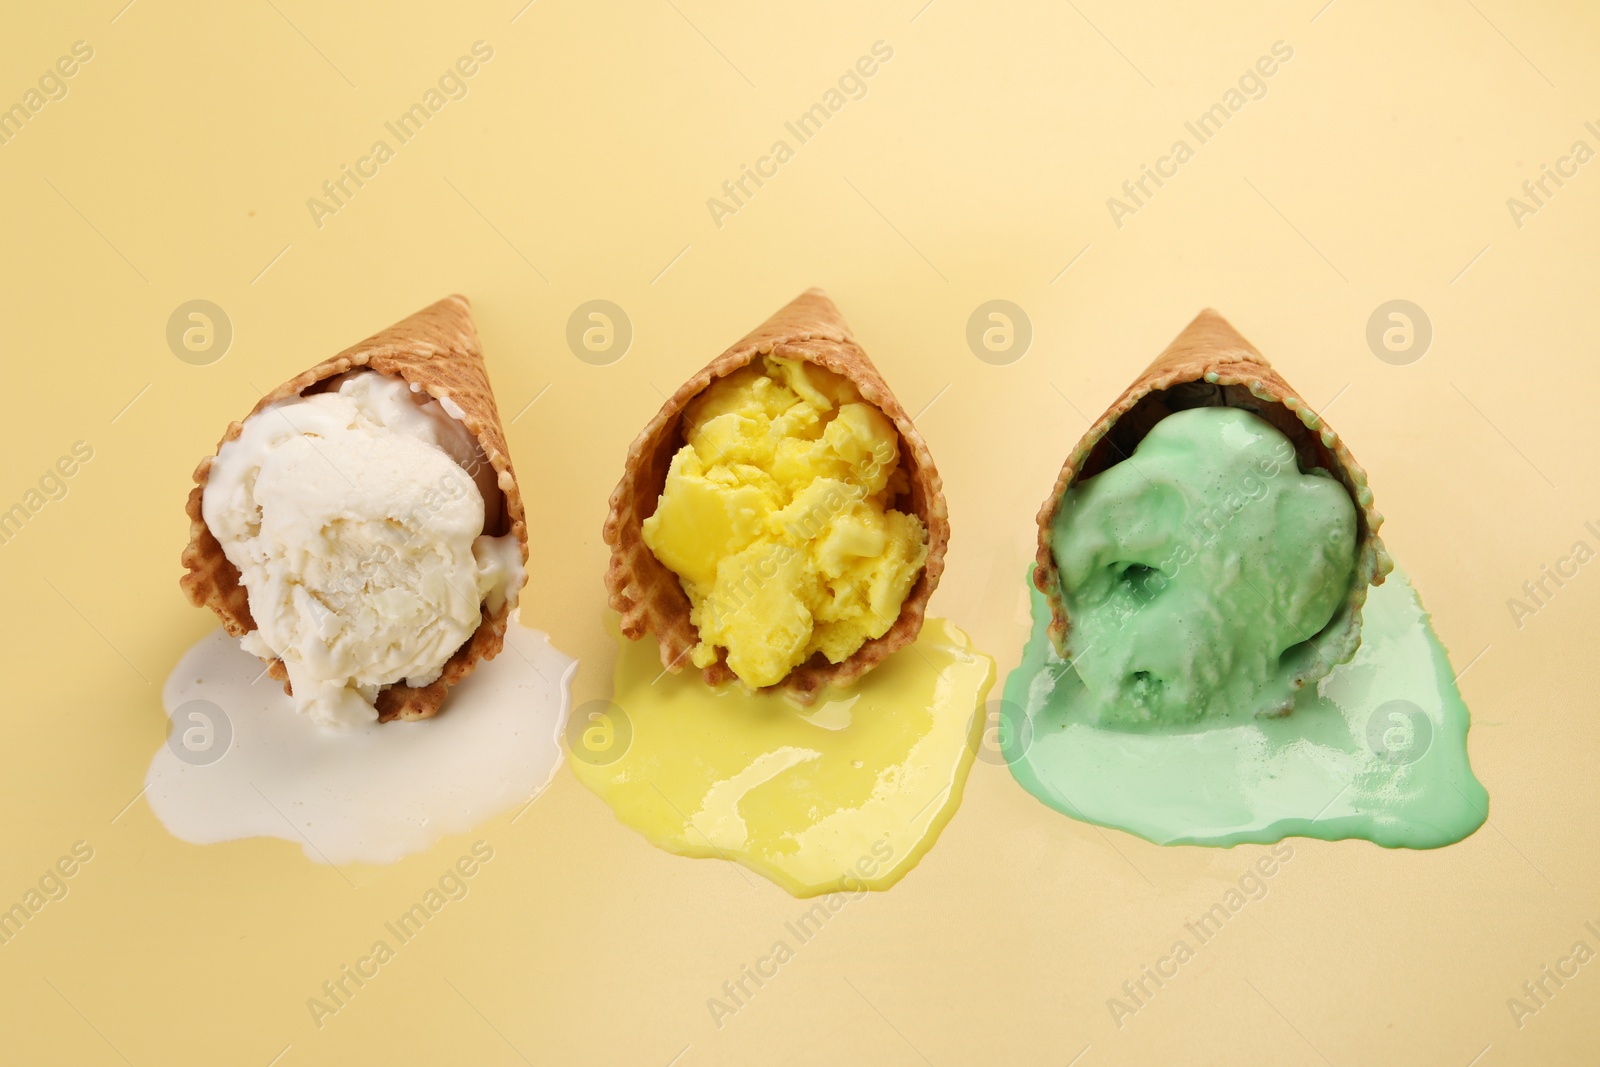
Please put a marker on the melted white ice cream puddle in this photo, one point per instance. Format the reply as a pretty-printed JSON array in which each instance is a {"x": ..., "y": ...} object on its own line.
[{"x": 241, "y": 762}]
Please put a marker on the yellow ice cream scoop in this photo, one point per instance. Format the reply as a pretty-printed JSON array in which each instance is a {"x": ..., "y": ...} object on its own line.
[
  {"x": 776, "y": 518},
  {"x": 780, "y": 520}
]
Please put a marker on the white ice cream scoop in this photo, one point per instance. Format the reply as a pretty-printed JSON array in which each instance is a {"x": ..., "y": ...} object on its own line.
[{"x": 356, "y": 519}]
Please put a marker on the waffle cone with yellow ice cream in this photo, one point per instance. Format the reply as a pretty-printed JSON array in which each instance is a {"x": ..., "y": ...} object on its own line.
[
  {"x": 1208, "y": 366},
  {"x": 362, "y": 530},
  {"x": 780, "y": 520}
]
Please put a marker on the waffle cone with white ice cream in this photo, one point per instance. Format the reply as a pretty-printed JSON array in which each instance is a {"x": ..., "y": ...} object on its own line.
[
  {"x": 1208, "y": 366},
  {"x": 362, "y": 529},
  {"x": 780, "y": 520}
]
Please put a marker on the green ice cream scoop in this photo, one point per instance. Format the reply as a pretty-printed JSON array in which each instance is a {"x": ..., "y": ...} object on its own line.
[{"x": 1199, "y": 572}]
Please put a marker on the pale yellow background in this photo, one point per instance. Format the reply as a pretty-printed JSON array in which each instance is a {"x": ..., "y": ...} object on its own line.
[{"x": 976, "y": 167}]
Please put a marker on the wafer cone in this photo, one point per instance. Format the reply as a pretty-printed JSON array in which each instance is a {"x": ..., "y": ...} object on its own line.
[
  {"x": 650, "y": 597},
  {"x": 1209, "y": 364},
  {"x": 437, "y": 350}
]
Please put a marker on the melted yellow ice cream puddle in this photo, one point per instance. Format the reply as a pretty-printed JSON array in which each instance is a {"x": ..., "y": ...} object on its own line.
[
  {"x": 847, "y": 794},
  {"x": 775, "y": 517}
]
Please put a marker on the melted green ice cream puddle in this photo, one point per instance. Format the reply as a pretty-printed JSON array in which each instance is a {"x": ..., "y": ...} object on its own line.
[
  {"x": 1198, "y": 573},
  {"x": 1200, "y": 576},
  {"x": 1378, "y": 750}
]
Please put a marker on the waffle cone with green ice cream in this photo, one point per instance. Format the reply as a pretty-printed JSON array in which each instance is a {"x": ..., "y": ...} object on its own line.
[
  {"x": 780, "y": 520},
  {"x": 1208, "y": 545}
]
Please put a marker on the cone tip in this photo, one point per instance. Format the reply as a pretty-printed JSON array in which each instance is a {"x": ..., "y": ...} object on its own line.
[{"x": 1209, "y": 331}]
